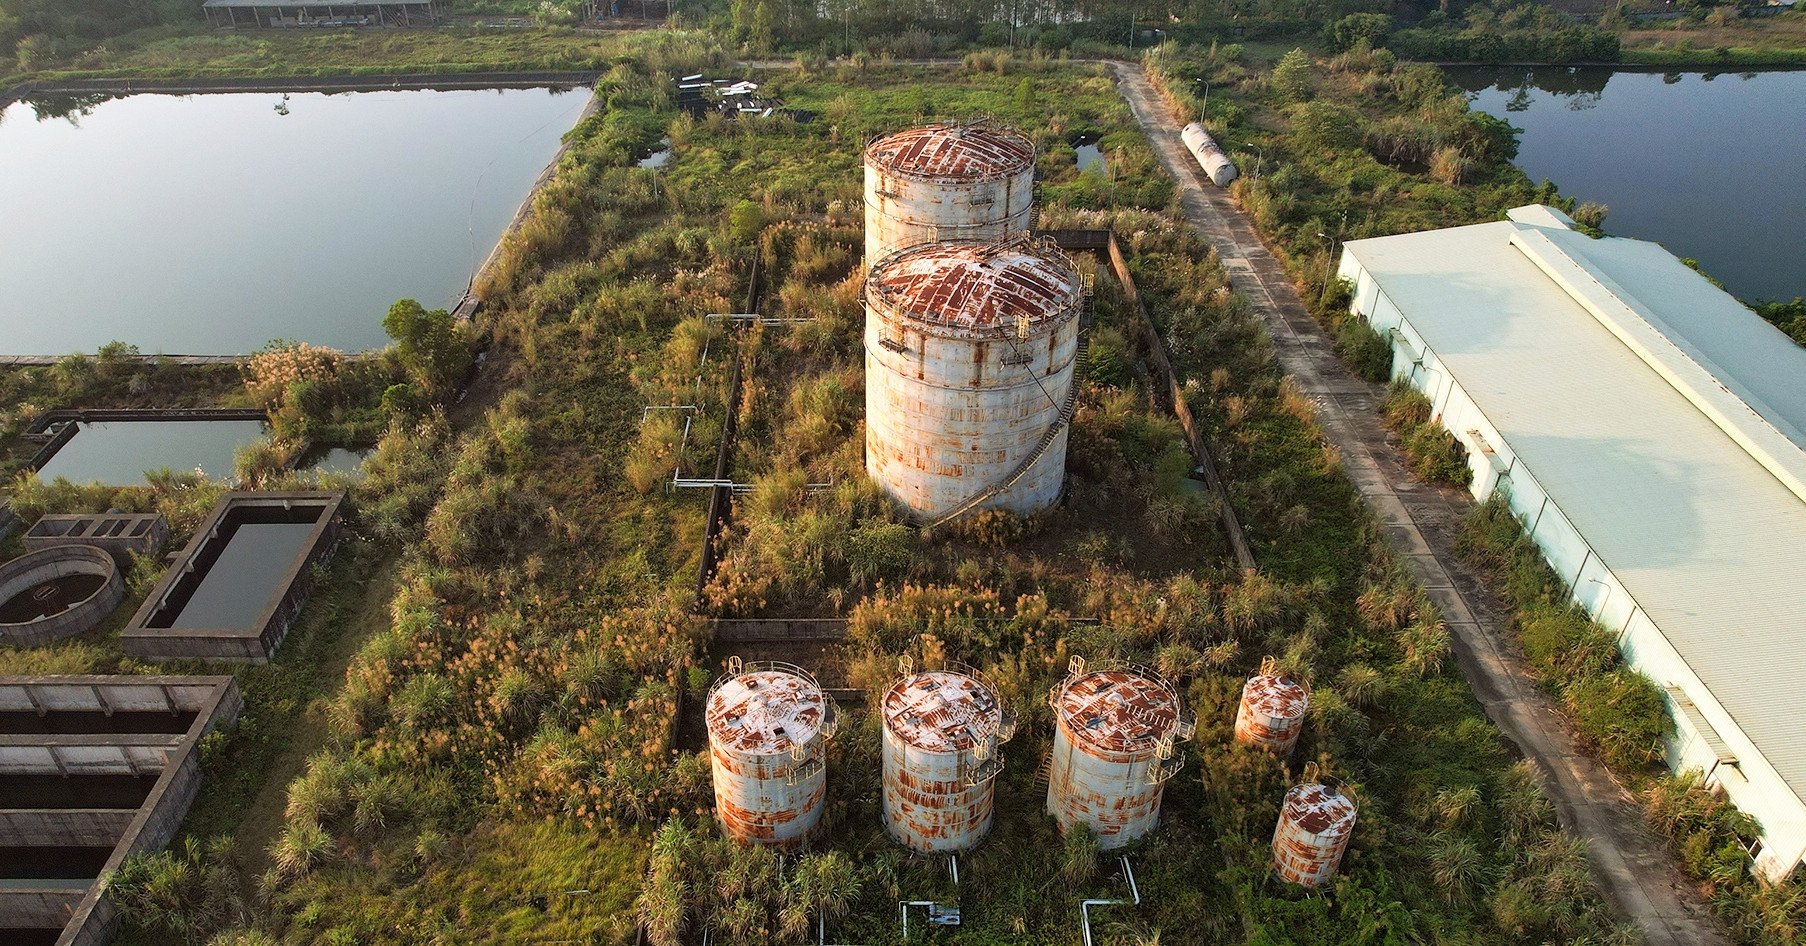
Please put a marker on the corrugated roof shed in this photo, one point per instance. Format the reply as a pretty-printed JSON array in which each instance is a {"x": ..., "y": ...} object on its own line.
[{"x": 1664, "y": 419}]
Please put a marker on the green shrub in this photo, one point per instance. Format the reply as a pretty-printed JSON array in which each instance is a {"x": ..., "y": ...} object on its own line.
[
  {"x": 879, "y": 551},
  {"x": 1436, "y": 456},
  {"x": 1623, "y": 714},
  {"x": 1365, "y": 351}
]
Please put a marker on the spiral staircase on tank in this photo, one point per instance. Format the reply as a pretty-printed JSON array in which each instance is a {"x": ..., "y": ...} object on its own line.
[{"x": 1080, "y": 358}]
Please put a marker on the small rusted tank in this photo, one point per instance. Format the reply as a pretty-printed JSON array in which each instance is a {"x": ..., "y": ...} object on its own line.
[
  {"x": 1314, "y": 826},
  {"x": 1115, "y": 726},
  {"x": 1271, "y": 714},
  {"x": 943, "y": 733},
  {"x": 960, "y": 181},
  {"x": 970, "y": 350},
  {"x": 769, "y": 724}
]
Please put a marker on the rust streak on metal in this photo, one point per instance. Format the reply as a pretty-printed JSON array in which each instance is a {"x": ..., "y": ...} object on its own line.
[
  {"x": 1313, "y": 831},
  {"x": 975, "y": 151}
]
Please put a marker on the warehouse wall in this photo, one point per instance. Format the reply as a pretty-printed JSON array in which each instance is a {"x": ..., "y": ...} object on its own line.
[{"x": 1751, "y": 784}]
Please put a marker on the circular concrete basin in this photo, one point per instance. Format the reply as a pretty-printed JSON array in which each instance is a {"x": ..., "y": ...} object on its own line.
[{"x": 57, "y": 592}]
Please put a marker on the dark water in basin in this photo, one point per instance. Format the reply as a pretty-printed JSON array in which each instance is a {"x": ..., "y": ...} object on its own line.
[
  {"x": 50, "y": 598},
  {"x": 118, "y": 453},
  {"x": 1706, "y": 164},
  {"x": 46, "y": 863},
  {"x": 70, "y": 723},
  {"x": 78, "y": 791},
  {"x": 23, "y": 937},
  {"x": 211, "y": 224},
  {"x": 257, "y": 546},
  {"x": 1090, "y": 155}
]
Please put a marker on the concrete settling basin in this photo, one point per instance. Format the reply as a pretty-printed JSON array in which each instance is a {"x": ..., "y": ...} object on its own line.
[
  {"x": 969, "y": 357},
  {"x": 959, "y": 181},
  {"x": 57, "y": 592},
  {"x": 943, "y": 736},
  {"x": 93, "y": 769},
  {"x": 233, "y": 592},
  {"x": 1116, "y": 727}
]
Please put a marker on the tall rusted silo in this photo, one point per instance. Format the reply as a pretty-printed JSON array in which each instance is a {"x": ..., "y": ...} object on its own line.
[
  {"x": 943, "y": 736},
  {"x": 1271, "y": 714},
  {"x": 769, "y": 724},
  {"x": 1115, "y": 729},
  {"x": 961, "y": 181},
  {"x": 969, "y": 356},
  {"x": 1314, "y": 826}
]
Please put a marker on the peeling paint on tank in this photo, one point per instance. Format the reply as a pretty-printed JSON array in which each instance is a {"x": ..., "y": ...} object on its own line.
[
  {"x": 768, "y": 726},
  {"x": 942, "y": 730},
  {"x": 1114, "y": 749},
  {"x": 971, "y": 181},
  {"x": 1272, "y": 710},
  {"x": 1315, "y": 824}
]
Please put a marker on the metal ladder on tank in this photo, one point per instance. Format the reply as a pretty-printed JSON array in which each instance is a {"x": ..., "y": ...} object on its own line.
[{"x": 1080, "y": 358}]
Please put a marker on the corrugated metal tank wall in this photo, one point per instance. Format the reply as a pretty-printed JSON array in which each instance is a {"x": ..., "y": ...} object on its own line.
[
  {"x": 769, "y": 724},
  {"x": 1315, "y": 823},
  {"x": 1114, "y": 749},
  {"x": 969, "y": 357},
  {"x": 943, "y": 732},
  {"x": 1271, "y": 713},
  {"x": 973, "y": 181}
]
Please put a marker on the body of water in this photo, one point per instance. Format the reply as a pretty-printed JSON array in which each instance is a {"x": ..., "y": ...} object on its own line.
[
  {"x": 247, "y": 575},
  {"x": 211, "y": 224},
  {"x": 1706, "y": 164},
  {"x": 119, "y": 453}
]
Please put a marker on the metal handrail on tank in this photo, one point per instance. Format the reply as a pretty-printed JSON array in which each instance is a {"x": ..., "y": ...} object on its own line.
[
  {"x": 810, "y": 748},
  {"x": 1006, "y": 721},
  {"x": 1184, "y": 724}
]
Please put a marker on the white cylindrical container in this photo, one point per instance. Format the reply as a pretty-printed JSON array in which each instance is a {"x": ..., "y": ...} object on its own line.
[
  {"x": 969, "y": 357},
  {"x": 768, "y": 725},
  {"x": 970, "y": 181},
  {"x": 1113, "y": 750},
  {"x": 1271, "y": 713},
  {"x": 1314, "y": 826},
  {"x": 1211, "y": 158},
  {"x": 943, "y": 730}
]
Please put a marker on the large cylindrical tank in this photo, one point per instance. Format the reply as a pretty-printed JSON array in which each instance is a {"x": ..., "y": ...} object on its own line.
[
  {"x": 1115, "y": 729},
  {"x": 1314, "y": 825},
  {"x": 943, "y": 731},
  {"x": 1211, "y": 158},
  {"x": 768, "y": 725},
  {"x": 969, "y": 354},
  {"x": 1271, "y": 714},
  {"x": 969, "y": 181}
]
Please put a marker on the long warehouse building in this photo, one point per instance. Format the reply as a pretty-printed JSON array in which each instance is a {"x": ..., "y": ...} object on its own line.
[{"x": 1648, "y": 431}]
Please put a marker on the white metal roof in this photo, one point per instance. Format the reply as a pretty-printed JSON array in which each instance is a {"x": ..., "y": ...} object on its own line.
[{"x": 1661, "y": 416}]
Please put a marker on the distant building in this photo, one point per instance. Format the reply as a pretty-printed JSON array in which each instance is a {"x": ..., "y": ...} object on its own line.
[
  {"x": 320, "y": 13},
  {"x": 1648, "y": 430}
]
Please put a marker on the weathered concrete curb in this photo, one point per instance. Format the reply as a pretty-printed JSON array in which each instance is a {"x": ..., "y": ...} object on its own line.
[{"x": 60, "y": 561}]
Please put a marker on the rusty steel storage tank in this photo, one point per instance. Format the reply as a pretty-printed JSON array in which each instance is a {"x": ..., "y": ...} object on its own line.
[
  {"x": 1271, "y": 714},
  {"x": 1115, "y": 727},
  {"x": 768, "y": 725},
  {"x": 943, "y": 732},
  {"x": 969, "y": 356},
  {"x": 1314, "y": 826},
  {"x": 1211, "y": 158},
  {"x": 964, "y": 181}
]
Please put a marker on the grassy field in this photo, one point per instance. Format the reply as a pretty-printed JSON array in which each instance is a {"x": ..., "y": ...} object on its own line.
[{"x": 1756, "y": 41}]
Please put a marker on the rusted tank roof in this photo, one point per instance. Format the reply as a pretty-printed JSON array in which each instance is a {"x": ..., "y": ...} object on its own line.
[
  {"x": 764, "y": 712},
  {"x": 1118, "y": 710},
  {"x": 942, "y": 711},
  {"x": 1319, "y": 810},
  {"x": 1276, "y": 697},
  {"x": 974, "y": 151},
  {"x": 976, "y": 285}
]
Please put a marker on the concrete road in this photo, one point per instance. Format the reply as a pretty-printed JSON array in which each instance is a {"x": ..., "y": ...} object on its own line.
[{"x": 1631, "y": 862}]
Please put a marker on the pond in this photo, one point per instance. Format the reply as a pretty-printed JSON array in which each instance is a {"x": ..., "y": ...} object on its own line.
[
  {"x": 118, "y": 453},
  {"x": 211, "y": 224},
  {"x": 1706, "y": 164},
  {"x": 1088, "y": 152}
]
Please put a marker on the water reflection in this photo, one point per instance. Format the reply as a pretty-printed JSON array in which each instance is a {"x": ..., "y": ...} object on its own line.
[{"x": 1688, "y": 160}]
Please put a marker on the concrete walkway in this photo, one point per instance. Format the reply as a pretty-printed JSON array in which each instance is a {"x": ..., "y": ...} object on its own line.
[{"x": 1631, "y": 862}]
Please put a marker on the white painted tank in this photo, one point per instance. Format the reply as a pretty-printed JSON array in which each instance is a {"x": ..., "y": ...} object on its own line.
[
  {"x": 967, "y": 181},
  {"x": 1314, "y": 826},
  {"x": 1115, "y": 729},
  {"x": 1271, "y": 713},
  {"x": 769, "y": 724},
  {"x": 1211, "y": 158},
  {"x": 943, "y": 736},
  {"x": 969, "y": 353}
]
